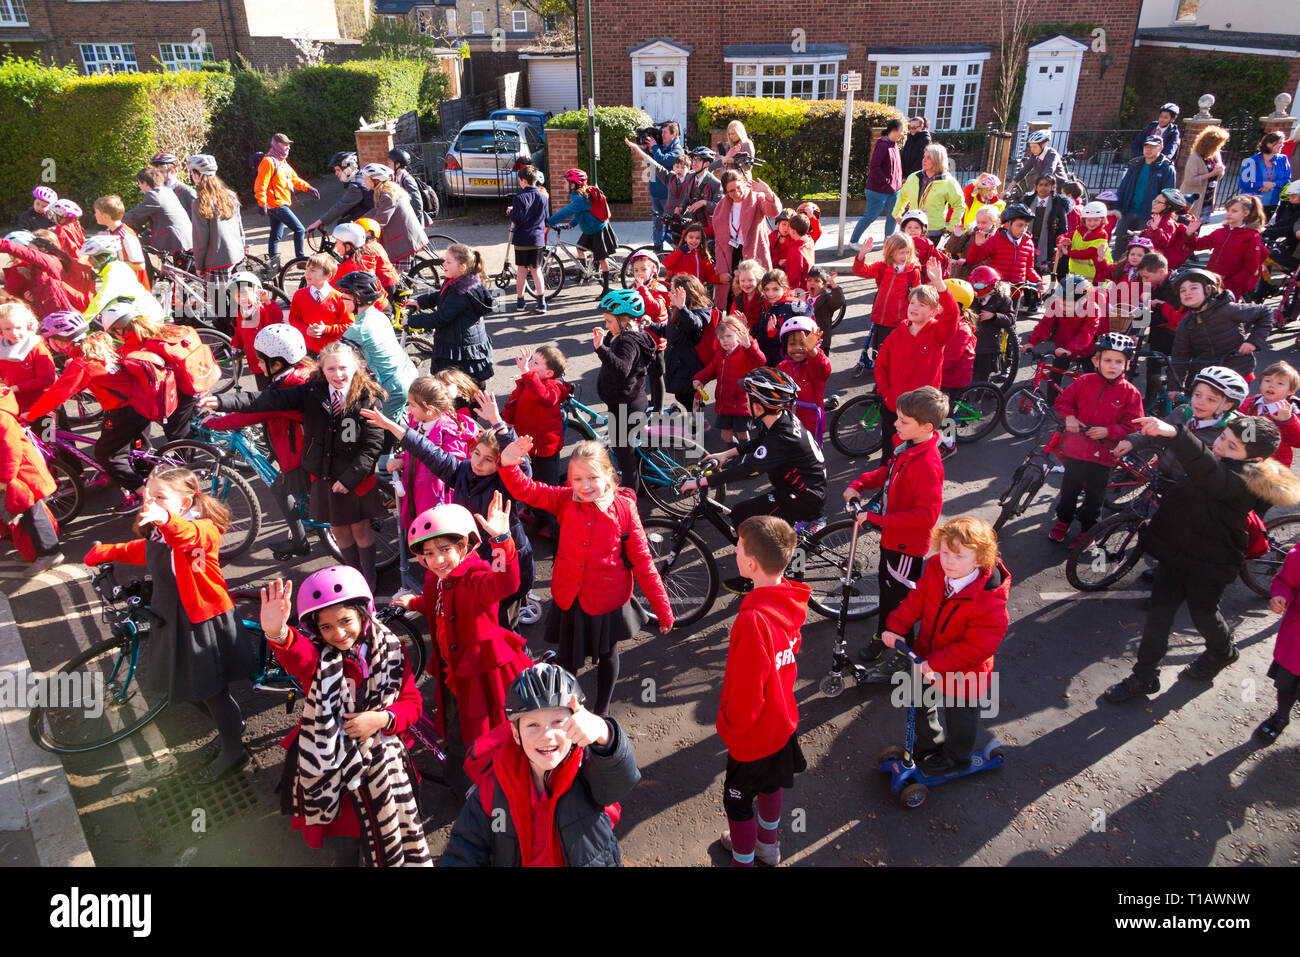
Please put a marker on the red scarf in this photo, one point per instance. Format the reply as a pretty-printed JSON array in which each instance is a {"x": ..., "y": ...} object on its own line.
[{"x": 515, "y": 776}]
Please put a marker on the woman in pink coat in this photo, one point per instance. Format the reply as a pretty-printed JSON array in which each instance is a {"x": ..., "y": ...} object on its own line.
[
  {"x": 1285, "y": 669},
  {"x": 740, "y": 227}
]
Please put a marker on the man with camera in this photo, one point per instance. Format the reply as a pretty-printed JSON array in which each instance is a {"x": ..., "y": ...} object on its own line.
[{"x": 663, "y": 144}]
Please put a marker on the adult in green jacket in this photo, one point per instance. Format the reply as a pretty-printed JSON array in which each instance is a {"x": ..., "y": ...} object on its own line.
[{"x": 935, "y": 191}]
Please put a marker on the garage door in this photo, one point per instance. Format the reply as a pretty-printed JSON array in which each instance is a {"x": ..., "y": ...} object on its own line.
[{"x": 553, "y": 85}]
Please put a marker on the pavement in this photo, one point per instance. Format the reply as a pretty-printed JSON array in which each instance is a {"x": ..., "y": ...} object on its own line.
[{"x": 1170, "y": 780}]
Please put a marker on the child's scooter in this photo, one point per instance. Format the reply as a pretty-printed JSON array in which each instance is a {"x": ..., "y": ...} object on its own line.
[
  {"x": 841, "y": 663},
  {"x": 906, "y": 779}
]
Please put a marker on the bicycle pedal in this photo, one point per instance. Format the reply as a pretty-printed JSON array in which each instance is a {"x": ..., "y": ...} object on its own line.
[{"x": 259, "y": 686}]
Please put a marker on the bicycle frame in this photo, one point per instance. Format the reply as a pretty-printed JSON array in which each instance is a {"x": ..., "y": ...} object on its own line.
[{"x": 586, "y": 421}]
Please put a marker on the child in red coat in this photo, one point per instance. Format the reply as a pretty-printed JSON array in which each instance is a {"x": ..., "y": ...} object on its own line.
[
  {"x": 1072, "y": 319},
  {"x": 692, "y": 257},
  {"x": 536, "y": 409},
  {"x": 800, "y": 252},
  {"x": 25, "y": 481},
  {"x": 253, "y": 311},
  {"x": 348, "y": 777},
  {"x": 907, "y": 506},
  {"x": 1277, "y": 384},
  {"x": 758, "y": 717},
  {"x": 896, "y": 275},
  {"x": 779, "y": 239},
  {"x": 196, "y": 647},
  {"x": 810, "y": 368},
  {"x": 746, "y": 297},
  {"x": 26, "y": 365},
  {"x": 737, "y": 355},
  {"x": 960, "y": 604},
  {"x": 473, "y": 655},
  {"x": 1099, "y": 410},
  {"x": 915, "y": 225},
  {"x": 1239, "y": 251},
  {"x": 318, "y": 310}
]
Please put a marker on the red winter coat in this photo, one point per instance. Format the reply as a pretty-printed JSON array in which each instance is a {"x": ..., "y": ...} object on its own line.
[
  {"x": 889, "y": 308},
  {"x": 914, "y": 499},
  {"x": 1238, "y": 256},
  {"x": 111, "y": 390},
  {"x": 536, "y": 409},
  {"x": 300, "y": 657},
  {"x": 1013, "y": 261},
  {"x": 285, "y": 428},
  {"x": 758, "y": 712},
  {"x": 800, "y": 256},
  {"x": 589, "y": 567},
  {"x": 906, "y": 361},
  {"x": 925, "y": 250},
  {"x": 22, "y": 467},
  {"x": 959, "y": 358},
  {"x": 1126, "y": 291},
  {"x": 1290, "y": 429},
  {"x": 729, "y": 369},
  {"x": 811, "y": 375},
  {"x": 1162, "y": 234},
  {"x": 379, "y": 264},
  {"x": 194, "y": 544},
  {"x": 246, "y": 330},
  {"x": 44, "y": 278},
  {"x": 472, "y": 653},
  {"x": 70, "y": 236},
  {"x": 751, "y": 306},
  {"x": 958, "y": 634},
  {"x": 1094, "y": 401},
  {"x": 27, "y": 368},
  {"x": 778, "y": 245},
  {"x": 695, "y": 264},
  {"x": 1072, "y": 333}
]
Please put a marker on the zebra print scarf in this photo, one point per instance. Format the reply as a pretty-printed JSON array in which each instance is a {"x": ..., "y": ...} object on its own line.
[{"x": 375, "y": 770}]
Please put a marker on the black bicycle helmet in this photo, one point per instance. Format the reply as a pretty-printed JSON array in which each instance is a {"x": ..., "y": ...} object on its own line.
[
  {"x": 703, "y": 153},
  {"x": 542, "y": 686},
  {"x": 1075, "y": 286},
  {"x": 770, "y": 388},
  {"x": 1203, "y": 276},
  {"x": 400, "y": 158},
  {"x": 1016, "y": 211},
  {"x": 163, "y": 159},
  {"x": 362, "y": 286},
  {"x": 344, "y": 158},
  {"x": 1116, "y": 342}
]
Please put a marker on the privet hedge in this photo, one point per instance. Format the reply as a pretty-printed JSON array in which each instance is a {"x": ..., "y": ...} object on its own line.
[{"x": 616, "y": 166}]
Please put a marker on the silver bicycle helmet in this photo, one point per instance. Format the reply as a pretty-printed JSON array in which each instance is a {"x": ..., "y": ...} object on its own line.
[{"x": 1225, "y": 380}]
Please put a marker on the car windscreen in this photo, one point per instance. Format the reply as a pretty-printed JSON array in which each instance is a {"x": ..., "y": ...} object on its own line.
[{"x": 488, "y": 141}]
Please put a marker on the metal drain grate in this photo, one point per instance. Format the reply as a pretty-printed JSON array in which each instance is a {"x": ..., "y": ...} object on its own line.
[{"x": 174, "y": 805}]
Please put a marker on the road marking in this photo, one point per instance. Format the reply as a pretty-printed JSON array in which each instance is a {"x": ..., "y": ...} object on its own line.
[
  {"x": 1081, "y": 595},
  {"x": 821, "y": 842}
]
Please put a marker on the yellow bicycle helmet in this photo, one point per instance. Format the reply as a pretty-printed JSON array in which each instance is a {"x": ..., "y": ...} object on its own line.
[
  {"x": 370, "y": 226},
  {"x": 962, "y": 291}
]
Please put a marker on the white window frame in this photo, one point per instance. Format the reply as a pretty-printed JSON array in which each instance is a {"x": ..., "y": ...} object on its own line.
[
  {"x": 905, "y": 82},
  {"x": 124, "y": 50},
  {"x": 13, "y": 13},
  {"x": 194, "y": 60},
  {"x": 477, "y": 22},
  {"x": 1192, "y": 14},
  {"x": 515, "y": 16},
  {"x": 825, "y": 81}
]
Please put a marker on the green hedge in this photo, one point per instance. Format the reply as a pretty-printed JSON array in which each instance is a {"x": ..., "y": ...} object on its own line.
[
  {"x": 1244, "y": 87},
  {"x": 799, "y": 141},
  {"x": 614, "y": 174}
]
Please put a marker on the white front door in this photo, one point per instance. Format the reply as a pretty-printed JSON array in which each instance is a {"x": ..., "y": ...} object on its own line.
[
  {"x": 1051, "y": 79},
  {"x": 659, "y": 88}
]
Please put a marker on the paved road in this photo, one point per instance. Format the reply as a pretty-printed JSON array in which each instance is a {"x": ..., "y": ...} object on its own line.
[{"x": 1172, "y": 781}]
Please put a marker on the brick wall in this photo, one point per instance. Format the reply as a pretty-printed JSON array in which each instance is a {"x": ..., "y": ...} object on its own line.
[
  {"x": 864, "y": 25},
  {"x": 561, "y": 155},
  {"x": 1150, "y": 60}
]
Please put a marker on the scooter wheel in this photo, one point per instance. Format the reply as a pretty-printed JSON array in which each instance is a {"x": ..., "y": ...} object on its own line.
[
  {"x": 994, "y": 753},
  {"x": 832, "y": 685},
  {"x": 891, "y": 753},
  {"x": 913, "y": 796}
]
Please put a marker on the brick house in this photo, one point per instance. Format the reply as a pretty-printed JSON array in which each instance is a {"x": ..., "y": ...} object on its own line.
[
  {"x": 101, "y": 36},
  {"x": 933, "y": 57},
  {"x": 477, "y": 22}
]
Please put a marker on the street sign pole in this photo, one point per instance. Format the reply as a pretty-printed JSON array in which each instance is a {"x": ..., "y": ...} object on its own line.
[{"x": 849, "y": 84}]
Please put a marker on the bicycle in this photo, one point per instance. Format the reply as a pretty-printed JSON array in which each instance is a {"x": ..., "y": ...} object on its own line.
[
  {"x": 245, "y": 451},
  {"x": 674, "y": 224},
  {"x": 63, "y": 453},
  {"x": 1026, "y": 407},
  {"x": 505, "y": 279},
  {"x": 566, "y": 262},
  {"x": 821, "y": 559},
  {"x": 855, "y": 427},
  {"x": 422, "y": 275},
  {"x": 109, "y": 706}
]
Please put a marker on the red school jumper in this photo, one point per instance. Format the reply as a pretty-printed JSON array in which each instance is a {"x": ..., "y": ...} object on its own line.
[
  {"x": 910, "y": 360},
  {"x": 332, "y": 312}
]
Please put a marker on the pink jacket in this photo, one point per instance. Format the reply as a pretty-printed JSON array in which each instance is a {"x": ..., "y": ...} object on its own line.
[
  {"x": 755, "y": 207},
  {"x": 1286, "y": 584}
]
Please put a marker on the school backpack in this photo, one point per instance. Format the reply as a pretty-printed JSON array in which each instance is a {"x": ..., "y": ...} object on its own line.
[
  {"x": 432, "y": 205},
  {"x": 153, "y": 392},
  {"x": 187, "y": 356},
  {"x": 599, "y": 205},
  {"x": 255, "y": 163}
]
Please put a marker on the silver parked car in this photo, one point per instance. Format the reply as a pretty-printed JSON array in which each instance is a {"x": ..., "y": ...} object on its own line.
[{"x": 487, "y": 155}]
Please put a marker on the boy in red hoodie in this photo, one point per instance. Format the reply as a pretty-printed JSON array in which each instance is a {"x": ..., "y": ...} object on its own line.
[
  {"x": 906, "y": 508},
  {"x": 536, "y": 409},
  {"x": 758, "y": 717},
  {"x": 318, "y": 310},
  {"x": 961, "y": 605},
  {"x": 800, "y": 253}
]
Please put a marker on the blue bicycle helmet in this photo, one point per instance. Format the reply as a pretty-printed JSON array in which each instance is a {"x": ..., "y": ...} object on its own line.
[{"x": 623, "y": 302}]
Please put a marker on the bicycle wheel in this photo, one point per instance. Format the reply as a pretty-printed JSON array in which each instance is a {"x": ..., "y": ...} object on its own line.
[
  {"x": 1106, "y": 554},
  {"x": 278, "y": 296},
  {"x": 856, "y": 426},
  {"x": 825, "y": 564},
  {"x": 420, "y": 350},
  {"x": 552, "y": 275},
  {"x": 82, "y": 408},
  {"x": 1023, "y": 412},
  {"x": 978, "y": 411},
  {"x": 229, "y": 359},
  {"x": 436, "y": 250},
  {"x": 1123, "y": 489},
  {"x": 425, "y": 276},
  {"x": 417, "y": 652},
  {"x": 662, "y": 463},
  {"x": 192, "y": 454},
  {"x": 625, "y": 267},
  {"x": 687, "y": 568},
  {"x": 261, "y": 268},
  {"x": 1282, "y": 532},
  {"x": 233, "y": 491},
  {"x": 383, "y": 529},
  {"x": 1019, "y": 496},
  {"x": 292, "y": 275},
  {"x": 1008, "y": 364},
  {"x": 101, "y": 675},
  {"x": 66, "y": 500},
  {"x": 616, "y": 261}
]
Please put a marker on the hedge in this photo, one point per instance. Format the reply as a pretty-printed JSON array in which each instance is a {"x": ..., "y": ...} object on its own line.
[
  {"x": 799, "y": 141},
  {"x": 615, "y": 123},
  {"x": 1244, "y": 87}
]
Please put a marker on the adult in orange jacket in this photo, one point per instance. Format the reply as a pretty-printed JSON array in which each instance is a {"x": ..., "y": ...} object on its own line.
[{"x": 273, "y": 190}]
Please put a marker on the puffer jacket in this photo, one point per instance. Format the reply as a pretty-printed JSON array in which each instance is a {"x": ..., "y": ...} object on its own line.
[
  {"x": 1221, "y": 325},
  {"x": 1074, "y": 333},
  {"x": 23, "y": 470},
  {"x": 624, "y": 368},
  {"x": 455, "y": 314},
  {"x": 729, "y": 368},
  {"x": 1094, "y": 400},
  {"x": 1014, "y": 261},
  {"x": 536, "y": 409},
  {"x": 893, "y": 286}
]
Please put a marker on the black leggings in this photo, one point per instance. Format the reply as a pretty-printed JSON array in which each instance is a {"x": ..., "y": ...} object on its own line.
[
  {"x": 623, "y": 451},
  {"x": 1090, "y": 478},
  {"x": 113, "y": 447},
  {"x": 793, "y": 508}
]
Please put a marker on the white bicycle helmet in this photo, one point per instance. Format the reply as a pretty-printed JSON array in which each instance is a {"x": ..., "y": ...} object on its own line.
[
  {"x": 1095, "y": 210},
  {"x": 19, "y": 237},
  {"x": 797, "y": 324},
  {"x": 917, "y": 214},
  {"x": 1040, "y": 136},
  {"x": 280, "y": 341},
  {"x": 65, "y": 207},
  {"x": 1292, "y": 189},
  {"x": 243, "y": 278},
  {"x": 377, "y": 171},
  {"x": 1225, "y": 380},
  {"x": 101, "y": 244},
  {"x": 350, "y": 233},
  {"x": 1170, "y": 108},
  {"x": 117, "y": 311}
]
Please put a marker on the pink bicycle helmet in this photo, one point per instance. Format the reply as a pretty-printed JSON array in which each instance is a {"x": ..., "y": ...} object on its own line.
[
  {"x": 1140, "y": 241},
  {"x": 65, "y": 207},
  {"x": 64, "y": 324},
  {"x": 576, "y": 176},
  {"x": 331, "y": 586},
  {"x": 45, "y": 194},
  {"x": 441, "y": 520}
]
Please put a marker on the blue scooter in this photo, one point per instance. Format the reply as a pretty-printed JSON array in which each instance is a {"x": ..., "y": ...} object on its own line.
[{"x": 906, "y": 779}]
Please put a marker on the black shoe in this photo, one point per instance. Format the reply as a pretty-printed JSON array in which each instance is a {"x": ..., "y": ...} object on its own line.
[
  {"x": 740, "y": 585},
  {"x": 208, "y": 753},
  {"x": 889, "y": 665},
  {"x": 1148, "y": 575},
  {"x": 283, "y": 551},
  {"x": 872, "y": 652},
  {"x": 218, "y": 769},
  {"x": 1267, "y": 732},
  {"x": 1130, "y": 688},
  {"x": 937, "y": 764},
  {"x": 1206, "y": 666}
]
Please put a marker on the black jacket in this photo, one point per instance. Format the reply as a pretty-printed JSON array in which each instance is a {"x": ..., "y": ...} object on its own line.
[
  {"x": 341, "y": 448},
  {"x": 587, "y": 839},
  {"x": 1220, "y": 325},
  {"x": 1050, "y": 225},
  {"x": 988, "y": 332},
  {"x": 681, "y": 362},
  {"x": 1202, "y": 521},
  {"x": 788, "y": 454},
  {"x": 30, "y": 220},
  {"x": 460, "y": 335},
  {"x": 624, "y": 360},
  {"x": 406, "y": 179},
  {"x": 913, "y": 148},
  {"x": 355, "y": 202},
  {"x": 1282, "y": 230}
]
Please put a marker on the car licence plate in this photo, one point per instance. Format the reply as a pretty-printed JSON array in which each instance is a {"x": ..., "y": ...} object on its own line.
[{"x": 482, "y": 182}]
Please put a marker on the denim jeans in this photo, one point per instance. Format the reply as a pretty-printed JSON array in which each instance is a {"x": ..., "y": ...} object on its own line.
[
  {"x": 282, "y": 218},
  {"x": 657, "y": 205},
  {"x": 877, "y": 203}
]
